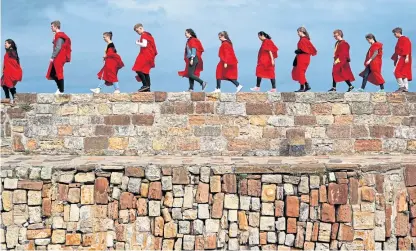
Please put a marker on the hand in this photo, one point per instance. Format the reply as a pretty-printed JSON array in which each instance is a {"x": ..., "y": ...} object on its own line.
[
  {"x": 406, "y": 60},
  {"x": 137, "y": 42},
  {"x": 368, "y": 62},
  {"x": 191, "y": 62},
  {"x": 272, "y": 62},
  {"x": 225, "y": 65},
  {"x": 51, "y": 60}
]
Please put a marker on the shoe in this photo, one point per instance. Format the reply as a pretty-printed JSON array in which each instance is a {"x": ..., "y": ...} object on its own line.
[
  {"x": 301, "y": 90},
  {"x": 190, "y": 90},
  {"x": 272, "y": 90},
  {"x": 360, "y": 90},
  {"x": 204, "y": 84},
  {"x": 401, "y": 89},
  {"x": 381, "y": 90},
  {"x": 350, "y": 88},
  {"x": 255, "y": 89},
  {"x": 217, "y": 91},
  {"x": 332, "y": 89},
  {"x": 307, "y": 87},
  {"x": 58, "y": 92},
  {"x": 96, "y": 90},
  {"x": 144, "y": 89},
  {"x": 239, "y": 88},
  {"x": 405, "y": 90},
  {"x": 117, "y": 91}
]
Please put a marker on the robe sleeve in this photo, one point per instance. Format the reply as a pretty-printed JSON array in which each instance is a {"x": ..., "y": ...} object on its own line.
[
  {"x": 268, "y": 45},
  {"x": 404, "y": 48},
  {"x": 225, "y": 54},
  {"x": 343, "y": 54},
  {"x": 306, "y": 46}
]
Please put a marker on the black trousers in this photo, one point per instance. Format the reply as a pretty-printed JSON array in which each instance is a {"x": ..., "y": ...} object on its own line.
[
  {"x": 366, "y": 73},
  {"x": 234, "y": 81},
  {"x": 272, "y": 80},
  {"x": 191, "y": 74},
  {"x": 8, "y": 90},
  {"x": 59, "y": 82},
  {"x": 145, "y": 78}
]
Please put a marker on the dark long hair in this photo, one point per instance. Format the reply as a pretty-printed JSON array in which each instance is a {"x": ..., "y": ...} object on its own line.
[
  {"x": 371, "y": 36},
  {"x": 191, "y": 32},
  {"x": 13, "y": 49},
  {"x": 225, "y": 34},
  {"x": 262, "y": 33}
]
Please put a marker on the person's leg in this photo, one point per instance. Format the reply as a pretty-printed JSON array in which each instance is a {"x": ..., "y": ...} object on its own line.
[
  {"x": 193, "y": 77},
  {"x": 54, "y": 77},
  {"x": 258, "y": 82},
  {"x": 6, "y": 92},
  {"x": 218, "y": 83},
  {"x": 382, "y": 87},
  {"x": 307, "y": 86},
  {"x": 348, "y": 83},
  {"x": 401, "y": 84},
  {"x": 115, "y": 85},
  {"x": 191, "y": 84},
  {"x": 147, "y": 76},
  {"x": 366, "y": 73},
  {"x": 334, "y": 86},
  {"x": 142, "y": 77},
  {"x": 302, "y": 88},
  {"x": 406, "y": 84},
  {"x": 13, "y": 91},
  {"x": 234, "y": 81},
  {"x": 61, "y": 85},
  {"x": 273, "y": 81}
]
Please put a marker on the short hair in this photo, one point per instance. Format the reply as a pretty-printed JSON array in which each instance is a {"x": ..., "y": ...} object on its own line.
[
  {"x": 56, "y": 23},
  {"x": 109, "y": 34},
  {"x": 397, "y": 30},
  {"x": 137, "y": 26},
  {"x": 339, "y": 32}
]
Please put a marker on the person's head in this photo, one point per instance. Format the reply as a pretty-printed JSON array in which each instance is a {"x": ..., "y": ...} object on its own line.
[
  {"x": 302, "y": 32},
  {"x": 55, "y": 26},
  {"x": 190, "y": 33},
  {"x": 10, "y": 44},
  {"x": 338, "y": 35},
  {"x": 263, "y": 35},
  {"x": 138, "y": 28},
  {"x": 107, "y": 36},
  {"x": 397, "y": 32},
  {"x": 223, "y": 35},
  {"x": 370, "y": 38}
]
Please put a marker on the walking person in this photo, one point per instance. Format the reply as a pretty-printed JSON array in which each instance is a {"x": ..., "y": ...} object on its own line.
[
  {"x": 402, "y": 58},
  {"x": 145, "y": 60},
  {"x": 12, "y": 72},
  {"x": 227, "y": 68},
  {"x": 373, "y": 62},
  {"x": 194, "y": 64},
  {"x": 304, "y": 51},
  {"x": 112, "y": 63},
  {"x": 61, "y": 54},
  {"x": 265, "y": 61},
  {"x": 341, "y": 69}
]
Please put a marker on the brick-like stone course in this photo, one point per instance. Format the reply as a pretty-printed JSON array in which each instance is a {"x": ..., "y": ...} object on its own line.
[
  {"x": 209, "y": 124},
  {"x": 88, "y": 203}
]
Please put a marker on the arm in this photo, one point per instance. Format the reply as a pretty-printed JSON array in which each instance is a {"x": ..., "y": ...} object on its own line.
[
  {"x": 271, "y": 57},
  {"x": 374, "y": 55},
  {"x": 143, "y": 43},
  {"x": 193, "y": 53},
  {"x": 57, "y": 48}
]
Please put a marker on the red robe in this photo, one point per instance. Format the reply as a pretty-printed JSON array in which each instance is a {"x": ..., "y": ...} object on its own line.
[
  {"x": 227, "y": 56},
  {"x": 403, "y": 48},
  {"x": 63, "y": 56},
  {"x": 193, "y": 43},
  {"x": 375, "y": 76},
  {"x": 341, "y": 71},
  {"x": 265, "y": 68},
  {"x": 146, "y": 58},
  {"x": 112, "y": 63},
  {"x": 303, "y": 60},
  {"x": 12, "y": 72}
]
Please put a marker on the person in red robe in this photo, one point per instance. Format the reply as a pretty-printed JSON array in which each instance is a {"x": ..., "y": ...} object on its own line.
[
  {"x": 227, "y": 68},
  {"x": 112, "y": 63},
  {"x": 402, "y": 58},
  {"x": 265, "y": 61},
  {"x": 145, "y": 60},
  {"x": 61, "y": 54},
  {"x": 12, "y": 72},
  {"x": 194, "y": 64},
  {"x": 303, "y": 57},
  {"x": 373, "y": 62},
  {"x": 341, "y": 70}
]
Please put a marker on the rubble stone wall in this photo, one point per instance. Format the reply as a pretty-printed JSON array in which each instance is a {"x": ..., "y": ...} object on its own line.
[
  {"x": 210, "y": 124},
  {"x": 206, "y": 207}
]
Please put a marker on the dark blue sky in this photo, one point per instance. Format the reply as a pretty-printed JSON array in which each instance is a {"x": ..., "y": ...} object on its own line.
[{"x": 28, "y": 23}]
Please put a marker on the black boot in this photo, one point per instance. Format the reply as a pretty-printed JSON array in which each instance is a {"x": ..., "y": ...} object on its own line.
[
  {"x": 307, "y": 87},
  {"x": 302, "y": 89},
  {"x": 144, "y": 89}
]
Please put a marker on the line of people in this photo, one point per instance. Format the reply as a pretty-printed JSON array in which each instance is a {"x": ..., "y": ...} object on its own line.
[{"x": 227, "y": 68}]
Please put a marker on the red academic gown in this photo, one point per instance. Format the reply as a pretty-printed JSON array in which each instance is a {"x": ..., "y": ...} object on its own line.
[
  {"x": 375, "y": 76},
  {"x": 403, "y": 48},
  {"x": 112, "y": 63},
  {"x": 265, "y": 68},
  {"x": 303, "y": 60},
  {"x": 63, "y": 56},
  {"x": 227, "y": 56},
  {"x": 12, "y": 72},
  {"x": 146, "y": 58},
  {"x": 341, "y": 71},
  {"x": 193, "y": 43}
]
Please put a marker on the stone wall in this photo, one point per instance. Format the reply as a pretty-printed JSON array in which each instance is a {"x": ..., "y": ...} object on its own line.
[
  {"x": 222, "y": 124},
  {"x": 98, "y": 203}
]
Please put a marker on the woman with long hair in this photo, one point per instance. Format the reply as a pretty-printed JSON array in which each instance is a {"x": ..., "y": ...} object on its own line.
[
  {"x": 373, "y": 62},
  {"x": 265, "y": 61},
  {"x": 12, "y": 72},
  {"x": 112, "y": 63},
  {"x": 304, "y": 51},
  {"x": 227, "y": 68},
  {"x": 193, "y": 60}
]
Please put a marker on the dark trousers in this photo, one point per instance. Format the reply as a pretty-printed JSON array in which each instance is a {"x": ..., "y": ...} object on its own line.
[
  {"x": 234, "y": 81},
  {"x": 191, "y": 74},
  {"x": 366, "y": 73},
  {"x": 271, "y": 80},
  {"x": 8, "y": 90},
  {"x": 145, "y": 78},
  {"x": 334, "y": 84},
  {"x": 59, "y": 82}
]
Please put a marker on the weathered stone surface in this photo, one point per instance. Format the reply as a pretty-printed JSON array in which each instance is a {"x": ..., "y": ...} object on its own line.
[{"x": 337, "y": 193}]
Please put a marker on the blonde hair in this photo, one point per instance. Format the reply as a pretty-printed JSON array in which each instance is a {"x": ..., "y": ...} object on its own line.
[
  {"x": 138, "y": 25},
  {"x": 304, "y": 31}
]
